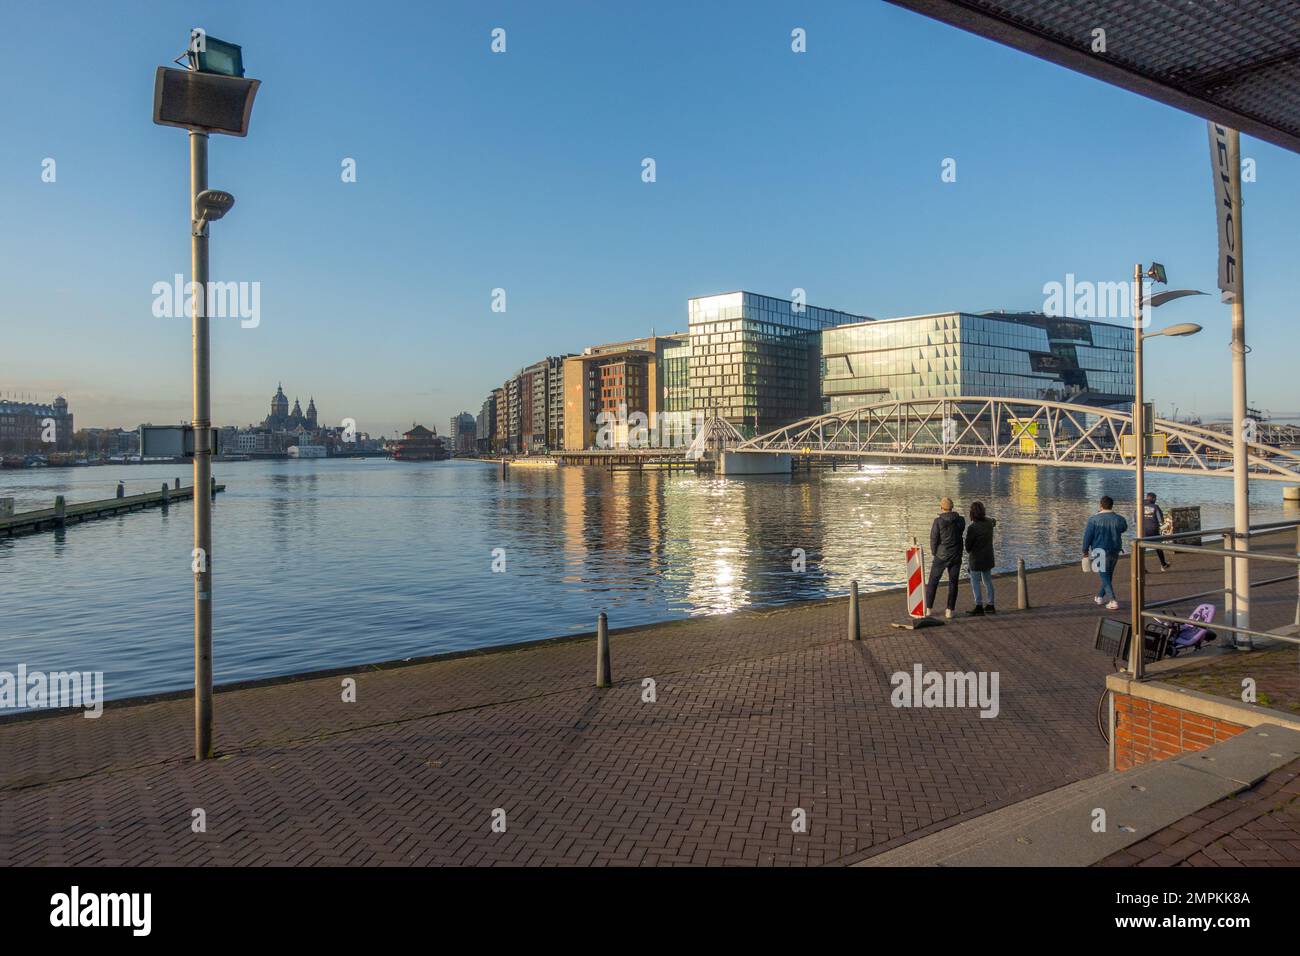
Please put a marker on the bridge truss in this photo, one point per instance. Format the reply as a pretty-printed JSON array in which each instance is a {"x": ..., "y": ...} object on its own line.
[{"x": 1018, "y": 431}]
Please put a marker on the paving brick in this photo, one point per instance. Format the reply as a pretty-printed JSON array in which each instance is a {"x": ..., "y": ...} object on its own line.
[{"x": 758, "y": 712}]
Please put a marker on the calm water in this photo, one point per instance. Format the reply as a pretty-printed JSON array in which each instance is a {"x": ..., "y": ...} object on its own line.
[{"x": 336, "y": 562}]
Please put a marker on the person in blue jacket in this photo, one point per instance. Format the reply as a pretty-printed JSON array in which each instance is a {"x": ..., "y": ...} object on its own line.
[{"x": 1103, "y": 540}]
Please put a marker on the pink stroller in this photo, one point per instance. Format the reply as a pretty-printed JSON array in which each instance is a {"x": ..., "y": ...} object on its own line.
[{"x": 1194, "y": 636}]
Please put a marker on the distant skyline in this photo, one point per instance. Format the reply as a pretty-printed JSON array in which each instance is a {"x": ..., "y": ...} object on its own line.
[{"x": 522, "y": 171}]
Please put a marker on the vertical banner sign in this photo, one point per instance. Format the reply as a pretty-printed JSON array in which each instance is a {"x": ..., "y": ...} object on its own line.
[
  {"x": 915, "y": 582},
  {"x": 1225, "y": 163}
]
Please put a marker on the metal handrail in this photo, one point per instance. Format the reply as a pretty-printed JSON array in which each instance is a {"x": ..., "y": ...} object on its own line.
[
  {"x": 1271, "y": 527},
  {"x": 1200, "y": 594},
  {"x": 1151, "y": 544},
  {"x": 1231, "y": 552}
]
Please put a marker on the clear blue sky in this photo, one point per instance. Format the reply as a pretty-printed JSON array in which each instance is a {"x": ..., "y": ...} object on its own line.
[{"x": 523, "y": 171}]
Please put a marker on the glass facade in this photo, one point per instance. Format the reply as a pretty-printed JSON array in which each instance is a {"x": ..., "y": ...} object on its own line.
[
  {"x": 1008, "y": 355},
  {"x": 754, "y": 359},
  {"x": 677, "y": 378}
]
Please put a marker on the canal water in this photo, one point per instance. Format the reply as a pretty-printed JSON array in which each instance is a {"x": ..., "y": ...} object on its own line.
[{"x": 324, "y": 563}]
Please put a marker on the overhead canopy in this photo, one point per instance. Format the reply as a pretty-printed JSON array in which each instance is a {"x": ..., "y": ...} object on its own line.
[{"x": 1233, "y": 61}]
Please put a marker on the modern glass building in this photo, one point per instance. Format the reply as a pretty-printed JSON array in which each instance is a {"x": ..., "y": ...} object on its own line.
[
  {"x": 1000, "y": 354},
  {"x": 755, "y": 360},
  {"x": 677, "y": 377}
]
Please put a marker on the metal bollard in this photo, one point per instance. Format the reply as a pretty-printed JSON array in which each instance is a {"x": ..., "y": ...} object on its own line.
[
  {"x": 166, "y": 495},
  {"x": 60, "y": 511},
  {"x": 177, "y": 485},
  {"x": 855, "y": 627},
  {"x": 602, "y": 651},
  {"x": 1022, "y": 585},
  {"x": 214, "y": 485}
]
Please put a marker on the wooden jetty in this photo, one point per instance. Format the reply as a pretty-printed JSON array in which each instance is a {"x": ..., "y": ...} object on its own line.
[
  {"x": 65, "y": 513},
  {"x": 632, "y": 459}
]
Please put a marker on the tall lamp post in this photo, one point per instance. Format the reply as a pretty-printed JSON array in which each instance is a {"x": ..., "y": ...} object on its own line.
[
  {"x": 211, "y": 96},
  {"x": 1140, "y": 425}
]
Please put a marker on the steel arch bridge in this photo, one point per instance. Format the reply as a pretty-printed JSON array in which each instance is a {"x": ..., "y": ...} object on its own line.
[{"x": 1017, "y": 431}]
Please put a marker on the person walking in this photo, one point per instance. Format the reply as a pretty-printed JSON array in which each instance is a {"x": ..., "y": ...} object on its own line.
[
  {"x": 979, "y": 547},
  {"x": 1153, "y": 522},
  {"x": 945, "y": 549},
  {"x": 1103, "y": 540}
]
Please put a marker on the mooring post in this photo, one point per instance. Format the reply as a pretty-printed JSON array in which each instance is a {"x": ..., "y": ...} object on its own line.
[
  {"x": 855, "y": 628},
  {"x": 602, "y": 651},
  {"x": 166, "y": 495},
  {"x": 60, "y": 512},
  {"x": 121, "y": 490},
  {"x": 1022, "y": 585},
  {"x": 214, "y": 485},
  {"x": 176, "y": 484}
]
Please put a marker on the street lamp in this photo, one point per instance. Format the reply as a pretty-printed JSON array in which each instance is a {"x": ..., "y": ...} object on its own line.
[
  {"x": 212, "y": 96},
  {"x": 211, "y": 204},
  {"x": 1156, "y": 273}
]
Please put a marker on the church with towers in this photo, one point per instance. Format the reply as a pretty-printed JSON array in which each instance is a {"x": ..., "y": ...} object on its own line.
[{"x": 282, "y": 419}]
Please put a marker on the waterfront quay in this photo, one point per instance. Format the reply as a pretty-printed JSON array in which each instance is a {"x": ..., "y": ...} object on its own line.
[
  {"x": 751, "y": 717},
  {"x": 64, "y": 513}
]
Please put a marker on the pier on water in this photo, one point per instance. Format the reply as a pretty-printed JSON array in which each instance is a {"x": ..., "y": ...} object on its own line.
[{"x": 65, "y": 513}]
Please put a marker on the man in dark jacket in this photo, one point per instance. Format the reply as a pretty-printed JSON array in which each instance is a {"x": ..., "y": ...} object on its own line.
[
  {"x": 946, "y": 548},
  {"x": 1152, "y": 518}
]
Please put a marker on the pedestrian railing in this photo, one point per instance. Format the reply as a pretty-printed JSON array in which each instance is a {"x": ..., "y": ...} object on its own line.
[{"x": 1236, "y": 552}]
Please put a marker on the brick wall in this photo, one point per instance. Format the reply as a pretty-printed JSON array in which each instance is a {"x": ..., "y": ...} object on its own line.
[{"x": 1146, "y": 731}]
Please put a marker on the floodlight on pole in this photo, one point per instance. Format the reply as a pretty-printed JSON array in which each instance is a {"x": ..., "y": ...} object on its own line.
[
  {"x": 212, "y": 96},
  {"x": 210, "y": 55}
]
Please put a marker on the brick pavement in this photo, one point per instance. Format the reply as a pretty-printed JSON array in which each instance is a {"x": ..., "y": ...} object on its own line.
[{"x": 757, "y": 713}]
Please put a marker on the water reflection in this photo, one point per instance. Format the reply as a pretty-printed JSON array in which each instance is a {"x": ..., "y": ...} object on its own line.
[{"x": 334, "y": 562}]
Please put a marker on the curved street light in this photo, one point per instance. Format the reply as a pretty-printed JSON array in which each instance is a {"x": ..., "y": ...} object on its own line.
[
  {"x": 1155, "y": 273},
  {"x": 1181, "y": 329}
]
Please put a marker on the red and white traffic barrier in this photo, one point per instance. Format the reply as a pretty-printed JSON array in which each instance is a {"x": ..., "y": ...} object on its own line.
[{"x": 915, "y": 581}]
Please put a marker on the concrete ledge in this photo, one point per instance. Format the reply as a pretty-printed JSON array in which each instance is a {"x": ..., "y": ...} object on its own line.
[
  {"x": 1056, "y": 829},
  {"x": 753, "y": 463}
]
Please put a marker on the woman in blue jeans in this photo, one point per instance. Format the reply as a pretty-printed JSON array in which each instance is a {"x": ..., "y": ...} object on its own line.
[{"x": 979, "y": 545}]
